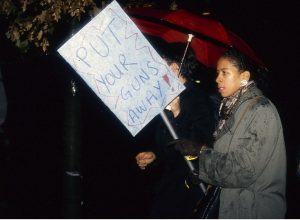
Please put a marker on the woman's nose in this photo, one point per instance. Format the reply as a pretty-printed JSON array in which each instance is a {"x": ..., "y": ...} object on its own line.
[{"x": 219, "y": 78}]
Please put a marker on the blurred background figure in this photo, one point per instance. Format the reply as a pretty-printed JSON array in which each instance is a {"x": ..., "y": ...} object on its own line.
[
  {"x": 3, "y": 147},
  {"x": 3, "y": 103},
  {"x": 192, "y": 116}
]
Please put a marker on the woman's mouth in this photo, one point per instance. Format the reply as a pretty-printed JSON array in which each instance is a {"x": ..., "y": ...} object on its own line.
[{"x": 221, "y": 89}]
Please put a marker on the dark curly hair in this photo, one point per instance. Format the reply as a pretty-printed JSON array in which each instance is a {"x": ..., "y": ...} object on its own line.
[
  {"x": 242, "y": 62},
  {"x": 191, "y": 67}
]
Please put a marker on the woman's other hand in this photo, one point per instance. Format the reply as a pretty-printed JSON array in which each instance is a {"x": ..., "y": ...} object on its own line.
[{"x": 144, "y": 158}]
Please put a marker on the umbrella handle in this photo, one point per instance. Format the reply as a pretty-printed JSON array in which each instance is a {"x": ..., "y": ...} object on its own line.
[{"x": 174, "y": 135}]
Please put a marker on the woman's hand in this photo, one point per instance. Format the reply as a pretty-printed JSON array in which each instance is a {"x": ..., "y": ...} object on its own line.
[
  {"x": 145, "y": 158},
  {"x": 187, "y": 147},
  {"x": 174, "y": 106}
]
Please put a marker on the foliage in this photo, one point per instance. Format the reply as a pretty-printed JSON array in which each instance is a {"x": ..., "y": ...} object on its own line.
[{"x": 33, "y": 22}]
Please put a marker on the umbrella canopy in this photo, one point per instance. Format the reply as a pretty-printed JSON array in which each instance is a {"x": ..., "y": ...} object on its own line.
[{"x": 210, "y": 40}]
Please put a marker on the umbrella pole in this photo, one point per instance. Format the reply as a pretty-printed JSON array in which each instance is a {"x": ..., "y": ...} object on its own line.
[
  {"x": 168, "y": 124},
  {"x": 186, "y": 48},
  {"x": 174, "y": 135}
]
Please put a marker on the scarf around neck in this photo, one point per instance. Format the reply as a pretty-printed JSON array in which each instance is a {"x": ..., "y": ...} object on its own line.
[{"x": 229, "y": 104}]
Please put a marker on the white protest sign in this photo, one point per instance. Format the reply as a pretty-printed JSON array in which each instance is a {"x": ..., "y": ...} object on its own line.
[{"x": 121, "y": 67}]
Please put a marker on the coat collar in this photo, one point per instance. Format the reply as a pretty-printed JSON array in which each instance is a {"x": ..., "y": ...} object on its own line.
[{"x": 249, "y": 94}]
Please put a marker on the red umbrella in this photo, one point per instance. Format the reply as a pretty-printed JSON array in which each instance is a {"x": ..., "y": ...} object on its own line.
[{"x": 210, "y": 40}]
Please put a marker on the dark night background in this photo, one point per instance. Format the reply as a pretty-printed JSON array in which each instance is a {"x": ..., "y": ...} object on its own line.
[{"x": 112, "y": 185}]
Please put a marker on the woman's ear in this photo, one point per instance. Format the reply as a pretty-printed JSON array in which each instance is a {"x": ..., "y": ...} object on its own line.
[
  {"x": 174, "y": 66},
  {"x": 246, "y": 75}
]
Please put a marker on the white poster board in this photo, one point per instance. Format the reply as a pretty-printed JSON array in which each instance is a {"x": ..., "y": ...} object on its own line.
[{"x": 117, "y": 62}]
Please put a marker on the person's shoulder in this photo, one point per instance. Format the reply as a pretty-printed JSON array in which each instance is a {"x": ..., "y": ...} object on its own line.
[
  {"x": 195, "y": 89},
  {"x": 265, "y": 104},
  {"x": 261, "y": 102},
  {"x": 254, "y": 102},
  {"x": 261, "y": 106}
]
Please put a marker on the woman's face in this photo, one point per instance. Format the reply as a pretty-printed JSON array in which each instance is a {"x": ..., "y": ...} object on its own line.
[
  {"x": 175, "y": 67},
  {"x": 228, "y": 77}
]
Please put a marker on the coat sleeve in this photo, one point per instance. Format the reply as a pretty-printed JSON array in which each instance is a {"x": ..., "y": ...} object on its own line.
[{"x": 248, "y": 155}]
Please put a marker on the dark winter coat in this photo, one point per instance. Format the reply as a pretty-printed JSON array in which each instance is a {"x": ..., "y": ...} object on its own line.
[
  {"x": 195, "y": 121},
  {"x": 249, "y": 161}
]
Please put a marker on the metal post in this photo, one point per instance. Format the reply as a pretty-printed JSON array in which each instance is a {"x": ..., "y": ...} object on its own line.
[{"x": 72, "y": 178}]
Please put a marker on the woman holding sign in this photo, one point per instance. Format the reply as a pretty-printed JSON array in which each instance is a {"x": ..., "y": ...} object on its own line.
[{"x": 191, "y": 115}]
